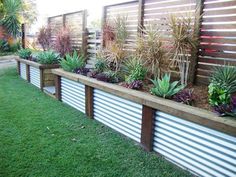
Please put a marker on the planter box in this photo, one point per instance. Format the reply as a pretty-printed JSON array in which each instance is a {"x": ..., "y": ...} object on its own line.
[
  {"x": 192, "y": 138},
  {"x": 37, "y": 74}
]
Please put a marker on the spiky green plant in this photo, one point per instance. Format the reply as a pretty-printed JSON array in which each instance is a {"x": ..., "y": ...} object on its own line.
[
  {"x": 184, "y": 31},
  {"x": 135, "y": 70},
  {"x": 150, "y": 49},
  {"x": 225, "y": 76},
  {"x": 164, "y": 88},
  {"x": 48, "y": 57},
  {"x": 120, "y": 26},
  {"x": 24, "y": 53},
  {"x": 72, "y": 62}
]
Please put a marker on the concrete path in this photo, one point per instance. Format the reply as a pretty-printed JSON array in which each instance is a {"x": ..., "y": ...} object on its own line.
[{"x": 7, "y": 62}]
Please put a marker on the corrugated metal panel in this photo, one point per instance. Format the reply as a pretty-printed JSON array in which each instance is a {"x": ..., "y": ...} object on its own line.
[
  {"x": 35, "y": 76},
  {"x": 121, "y": 115},
  {"x": 203, "y": 151},
  {"x": 23, "y": 71},
  {"x": 73, "y": 94}
]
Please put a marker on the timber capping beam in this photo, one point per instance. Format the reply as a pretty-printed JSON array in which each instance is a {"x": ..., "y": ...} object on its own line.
[{"x": 192, "y": 114}]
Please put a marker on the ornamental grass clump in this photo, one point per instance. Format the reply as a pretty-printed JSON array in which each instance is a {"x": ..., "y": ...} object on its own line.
[
  {"x": 164, "y": 88},
  {"x": 48, "y": 57},
  {"x": 63, "y": 42},
  {"x": 73, "y": 62},
  {"x": 221, "y": 90},
  {"x": 184, "y": 31},
  {"x": 44, "y": 37},
  {"x": 149, "y": 47}
]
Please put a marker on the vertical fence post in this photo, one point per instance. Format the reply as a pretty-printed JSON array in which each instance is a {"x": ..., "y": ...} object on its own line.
[
  {"x": 147, "y": 128},
  {"x": 89, "y": 101},
  {"x": 194, "y": 54},
  {"x": 28, "y": 73},
  {"x": 140, "y": 15},
  {"x": 41, "y": 78},
  {"x": 64, "y": 20},
  {"x": 104, "y": 16},
  {"x": 23, "y": 35},
  {"x": 18, "y": 67},
  {"x": 58, "y": 87},
  {"x": 84, "y": 32}
]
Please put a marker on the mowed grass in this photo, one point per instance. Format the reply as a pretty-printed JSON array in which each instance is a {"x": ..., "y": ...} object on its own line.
[{"x": 40, "y": 136}]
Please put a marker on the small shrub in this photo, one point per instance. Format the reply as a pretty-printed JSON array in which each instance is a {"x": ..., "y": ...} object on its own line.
[
  {"x": 63, "y": 42},
  {"x": 44, "y": 37},
  {"x": 4, "y": 46},
  {"x": 108, "y": 76},
  {"x": 185, "y": 96},
  {"x": 100, "y": 65},
  {"x": 136, "y": 85},
  {"x": 135, "y": 70},
  {"x": 48, "y": 57},
  {"x": 164, "y": 88},
  {"x": 15, "y": 47},
  {"x": 72, "y": 62},
  {"x": 24, "y": 53}
]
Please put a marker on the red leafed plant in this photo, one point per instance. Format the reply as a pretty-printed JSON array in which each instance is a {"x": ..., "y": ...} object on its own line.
[
  {"x": 44, "y": 37},
  {"x": 108, "y": 33},
  {"x": 63, "y": 42}
]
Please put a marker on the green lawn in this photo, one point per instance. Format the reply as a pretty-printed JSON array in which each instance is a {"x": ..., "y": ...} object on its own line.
[{"x": 42, "y": 137}]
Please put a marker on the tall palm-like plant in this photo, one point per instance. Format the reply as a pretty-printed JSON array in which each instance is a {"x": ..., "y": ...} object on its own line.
[{"x": 11, "y": 18}]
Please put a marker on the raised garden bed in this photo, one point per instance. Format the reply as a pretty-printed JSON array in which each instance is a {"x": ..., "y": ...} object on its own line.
[
  {"x": 37, "y": 74},
  {"x": 193, "y": 138}
]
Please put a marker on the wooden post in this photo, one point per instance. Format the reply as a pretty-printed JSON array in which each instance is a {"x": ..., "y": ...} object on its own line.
[
  {"x": 41, "y": 79},
  {"x": 147, "y": 128},
  {"x": 28, "y": 73},
  {"x": 58, "y": 87},
  {"x": 23, "y": 35},
  {"x": 104, "y": 16},
  {"x": 89, "y": 101},
  {"x": 84, "y": 32},
  {"x": 140, "y": 15},
  {"x": 194, "y": 54},
  {"x": 18, "y": 67},
  {"x": 64, "y": 20}
]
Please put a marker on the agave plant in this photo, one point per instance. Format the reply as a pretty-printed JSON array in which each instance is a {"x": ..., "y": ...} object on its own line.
[
  {"x": 72, "y": 62},
  {"x": 164, "y": 88},
  {"x": 25, "y": 53},
  {"x": 48, "y": 57},
  {"x": 225, "y": 76}
]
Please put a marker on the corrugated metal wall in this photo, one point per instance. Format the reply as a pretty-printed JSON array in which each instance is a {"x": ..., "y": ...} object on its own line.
[
  {"x": 35, "y": 76},
  {"x": 203, "y": 151},
  {"x": 23, "y": 71},
  {"x": 121, "y": 115},
  {"x": 73, "y": 94}
]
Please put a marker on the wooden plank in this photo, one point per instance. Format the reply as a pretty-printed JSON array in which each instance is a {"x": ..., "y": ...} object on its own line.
[
  {"x": 196, "y": 115},
  {"x": 218, "y": 47},
  {"x": 216, "y": 61},
  {"x": 218, "y": 33},
  {"x": 89, "y": 101},
  {"x": 218, "y": 54},
  {"x": 220, "y": 12},
  {"x": 218, "y": 40},
  {"x": 147, "y": 128},
  {"x": 220, "y": 4},
  {"x": 167, "y": 3},
  {"x": 217, "y": 26},
  {"x": 58, "y": 87},
  {"x": 219, "y": 19}
]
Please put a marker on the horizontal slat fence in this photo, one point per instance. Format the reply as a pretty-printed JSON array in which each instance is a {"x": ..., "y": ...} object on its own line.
[
  {"x": 218, "y": 37},
  {"x": 130, "y": 11},
  {"x": 76, "y": 23}
]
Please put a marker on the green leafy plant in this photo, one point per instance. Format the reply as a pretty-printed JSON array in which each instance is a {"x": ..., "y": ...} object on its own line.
[
  {"x": 4, "y": 46},
  {"x": 48, "y": 57},
  {"x": 72, "y": 62},
  {"x": 15, "y": 46},
  {"x": 164, "y": 88},
  {"x": 100, "y": 65},
  {"x": 135, "y": 70},
  {"x": 226, "y": 77},
  {"x": 24, "y": 53}
]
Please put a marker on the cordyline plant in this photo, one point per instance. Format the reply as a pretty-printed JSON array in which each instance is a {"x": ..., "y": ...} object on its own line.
[
  {"x": 63, "y": 42},
  {"x": 184, "y": 31},
  {"x": 150, "y": 49},
  {"x": 114, "y": 38},
  {"x": 44, "y": 37}
]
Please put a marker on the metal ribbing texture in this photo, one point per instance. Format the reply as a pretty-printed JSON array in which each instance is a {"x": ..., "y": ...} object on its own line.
[
  {"x": 201, "y": 150},
  {"x": 73, "y": 94},
  {"x": 23, "y": 71},
  {"x": 35, "y": 76},
  {"x": 120, "y": 114}
]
